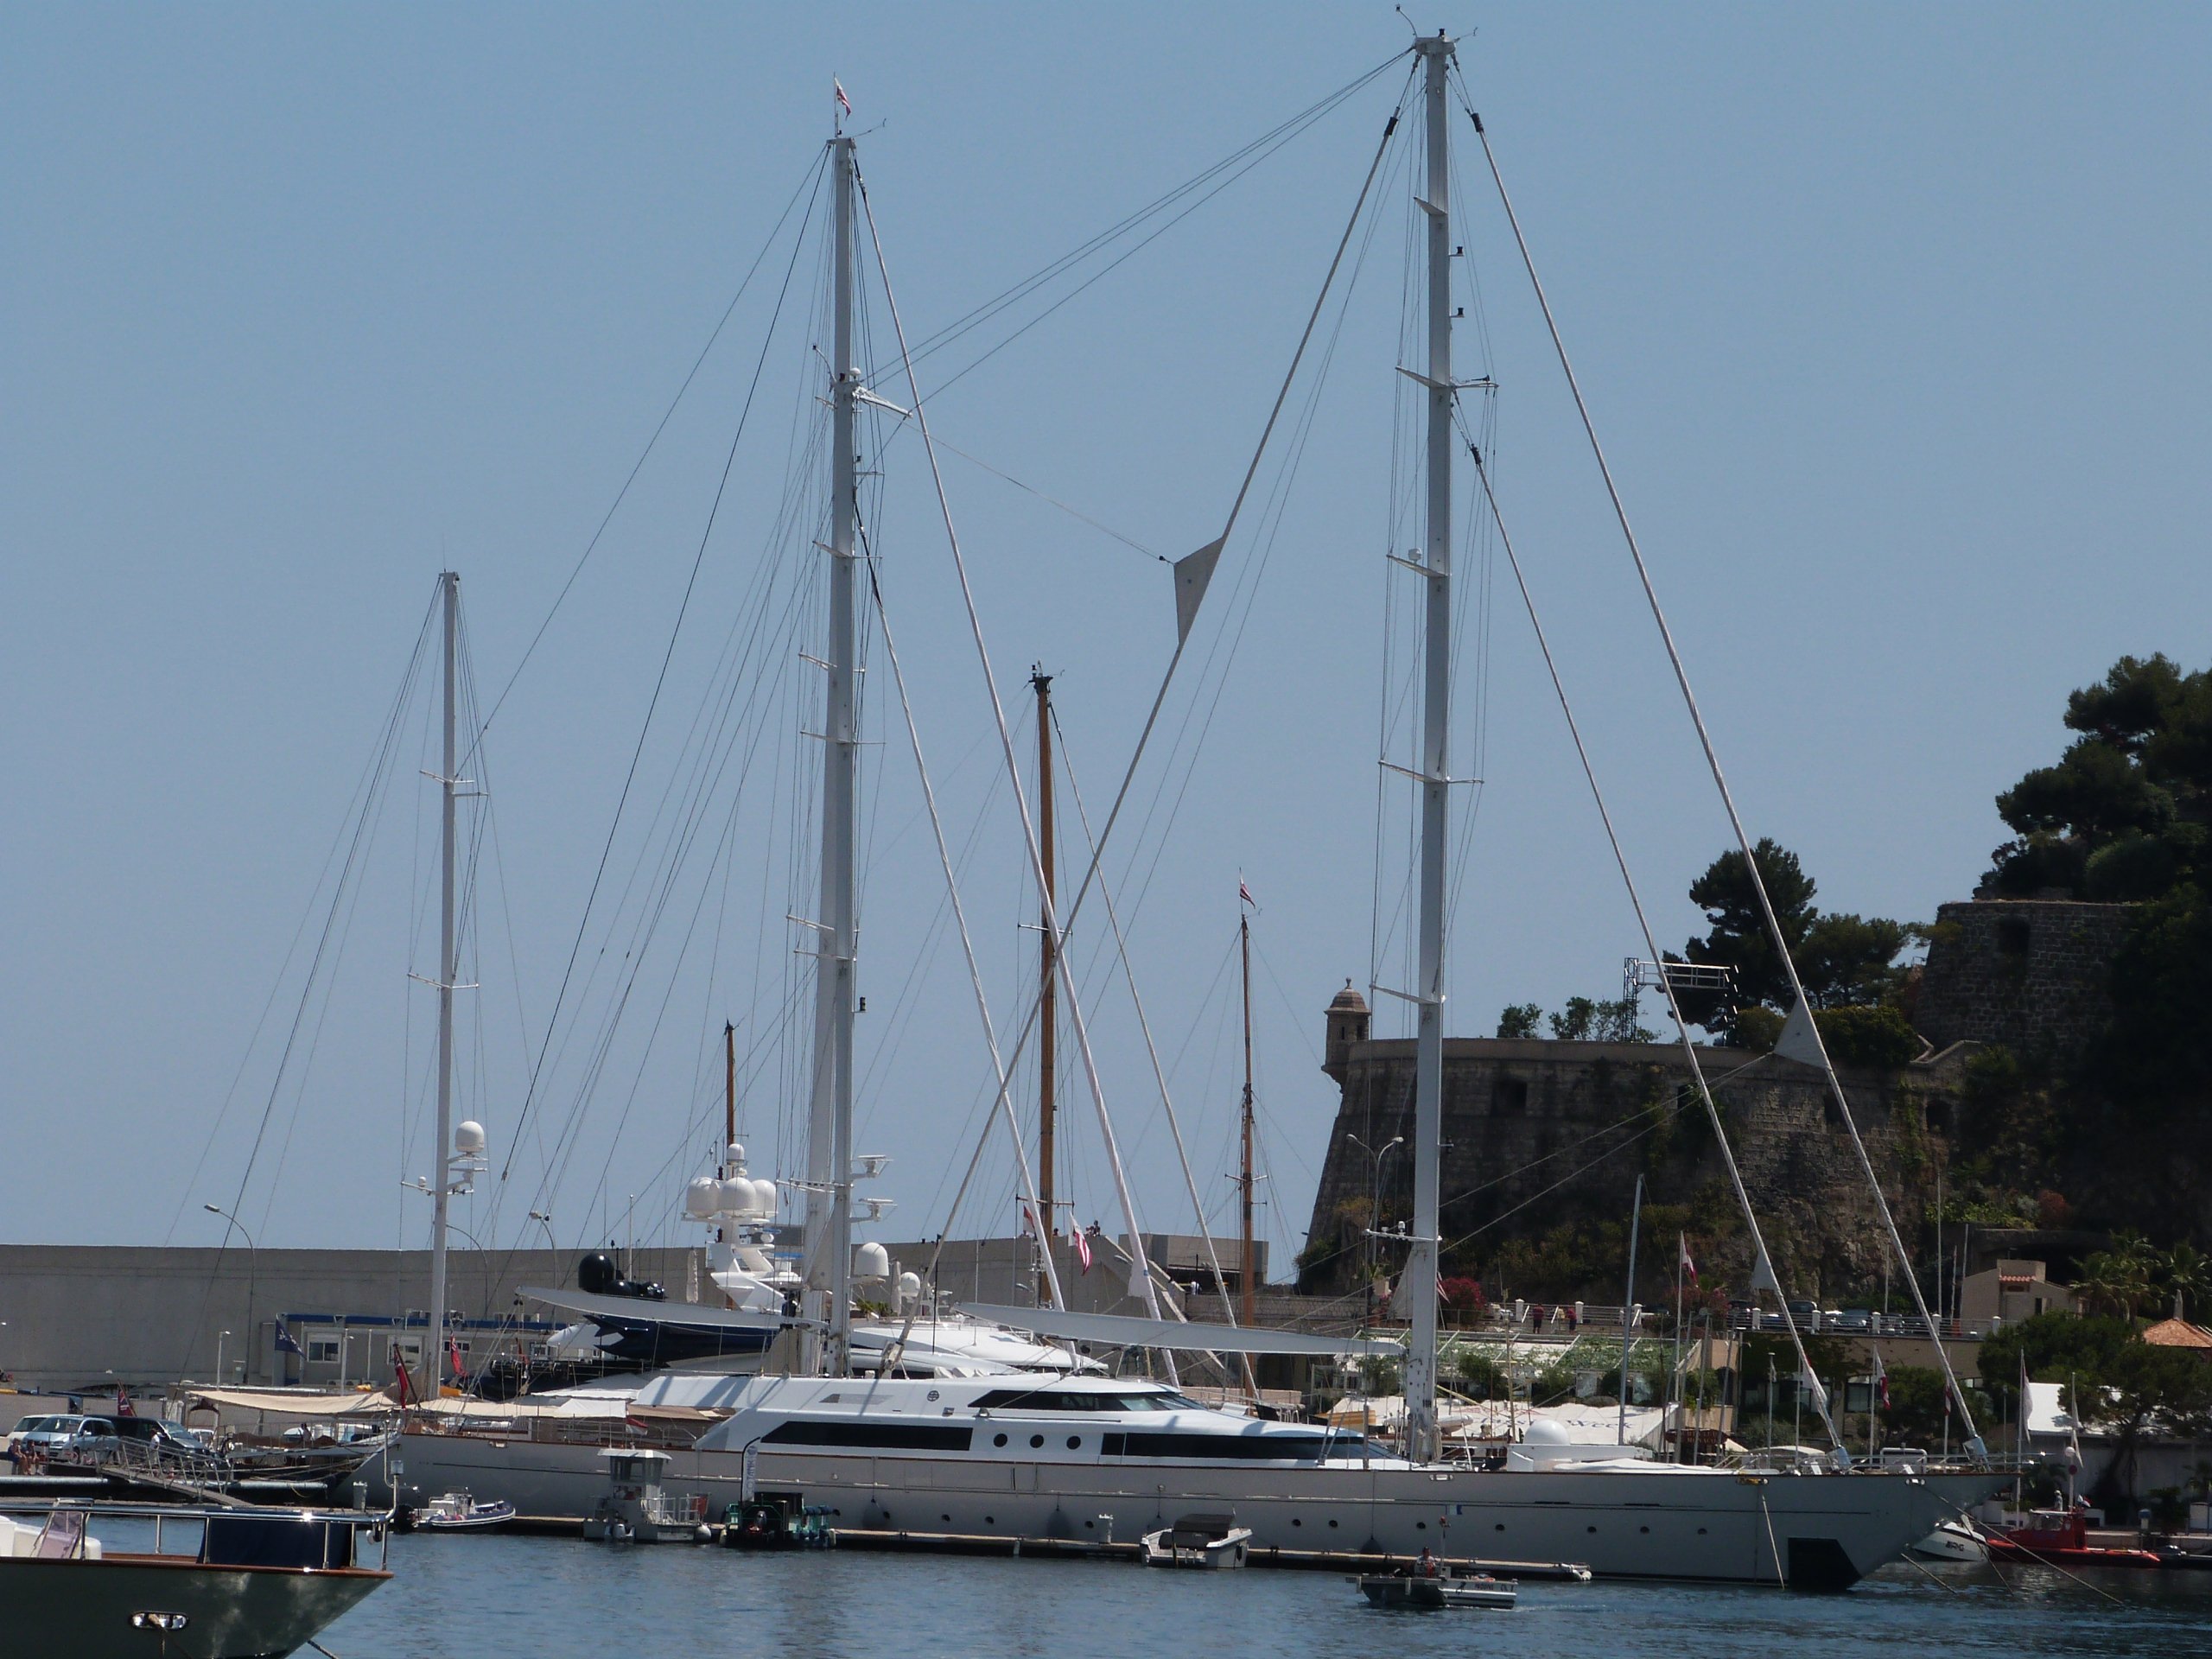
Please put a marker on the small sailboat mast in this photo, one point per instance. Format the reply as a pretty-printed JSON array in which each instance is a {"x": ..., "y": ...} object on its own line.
[
  {"x": 829, "y": 1124},
  {"x": 1047, "y": 990},
  {"x": 1418, "y": 1286},
  {"x": 1247, "y": 1279}
]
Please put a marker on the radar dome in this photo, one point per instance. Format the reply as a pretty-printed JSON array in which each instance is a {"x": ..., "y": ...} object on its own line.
[
  {"x": 703, "y": 1197},
  {"x": 468, "y": 1138},
  {"x": 736, "y": 1197},
  {"x": 736, "y": 1159},
  {"x": 871, "y": 1261},
  {"x": 765, "y": 1193},
  {"x": 1544, "y": 1431}
]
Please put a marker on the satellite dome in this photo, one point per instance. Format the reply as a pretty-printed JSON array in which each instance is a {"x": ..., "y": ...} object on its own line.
[
  {"x": 703, "y": 1197},
  {"x": 735, "y": 1161},
  {"x": 1544, "y": 1431},
  {"x": 764, "y": 1197},
  {"x": 871, "y": 1261},
  {"x": 468, "y": 1138}
]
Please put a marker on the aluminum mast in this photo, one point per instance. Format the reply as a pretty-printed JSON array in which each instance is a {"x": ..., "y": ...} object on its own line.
[
  {"x": 830, "y": 1125},
  {"x": 441, "y": 1185},
  {"x": 1418, "y": 1283}
]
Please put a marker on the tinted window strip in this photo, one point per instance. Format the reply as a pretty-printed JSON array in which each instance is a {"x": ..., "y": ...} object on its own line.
[{"x": 915, "y": 1437}]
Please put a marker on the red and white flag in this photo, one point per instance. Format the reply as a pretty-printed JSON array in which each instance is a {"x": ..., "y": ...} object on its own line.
[
  {"x": 452, "y": 1358},
  {"x": 1244, "y": 894},
  {"x": 1881, "y": 1380},
  {"x": 843, "y": 103},
  {"x": 1688, "y": 1266},
  {"x": 1083, "y": 1247}
]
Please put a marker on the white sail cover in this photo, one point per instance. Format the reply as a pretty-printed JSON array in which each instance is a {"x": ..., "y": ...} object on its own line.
[{"x": 1121, "y": 1330}]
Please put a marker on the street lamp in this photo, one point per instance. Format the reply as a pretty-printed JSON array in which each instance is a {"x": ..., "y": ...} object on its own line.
[
  {"x": 221, "y": 1337},
  {"x": 1375, "y": 1197},
  {"x": 552, "y": 1249},
  {"x": 251, "y": 1260}
]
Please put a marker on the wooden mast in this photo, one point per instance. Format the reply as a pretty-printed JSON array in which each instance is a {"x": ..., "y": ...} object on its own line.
[
  {"x": 1047, "y": 1011},
  {"x": 1246, "y": 1277}
]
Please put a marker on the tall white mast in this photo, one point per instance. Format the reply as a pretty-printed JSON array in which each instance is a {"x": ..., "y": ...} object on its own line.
[
  {"x": 830, "y": 1127},
  {"x": 448, "y": 971},
  {"x": 1419, "y": 1284}
]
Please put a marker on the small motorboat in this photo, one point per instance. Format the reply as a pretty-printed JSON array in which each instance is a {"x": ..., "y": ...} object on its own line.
[
  {"x": 460, "y": 1512},
  {"x": 636, "y": 1511},
  {"x": 1205, "y": 1542},
  {"x": 1952, "y": 1540},
  {"x": 1438, "y": 1587},
  {"x": 2061, "y": 1538}
]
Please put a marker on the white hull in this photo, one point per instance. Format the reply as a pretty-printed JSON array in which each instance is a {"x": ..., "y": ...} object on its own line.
[{"x": 1659, "y": 1524}]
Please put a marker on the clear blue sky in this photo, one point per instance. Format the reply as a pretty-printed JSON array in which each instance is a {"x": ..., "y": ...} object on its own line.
[{"x": 1894, "y": 319}]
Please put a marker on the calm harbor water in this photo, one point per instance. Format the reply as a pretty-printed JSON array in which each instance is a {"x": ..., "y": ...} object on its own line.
[{"x": 493, "y": 1597}]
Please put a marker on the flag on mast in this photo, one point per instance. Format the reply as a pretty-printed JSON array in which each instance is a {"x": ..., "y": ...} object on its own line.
[
  {"x": 1083, "y": 1245},
  {"x": 1881, "y": 1380},
  {"x": 1244, "y": 894},
  {"x": 838, "y": 87},
  {"x": 1688, "y": 1266}
]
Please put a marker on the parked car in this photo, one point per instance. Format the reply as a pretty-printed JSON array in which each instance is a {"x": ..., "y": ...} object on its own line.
[
  {"x": 1855, "y": 1318},
  {"x": 43, "y": 1434},
  {"x": 101, "y": 1438}
]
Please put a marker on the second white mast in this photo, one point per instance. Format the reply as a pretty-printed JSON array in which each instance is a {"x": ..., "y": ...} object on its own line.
[
  {"x": 1418, "y": 1286},
  {"x": 829, "y": 1129}
]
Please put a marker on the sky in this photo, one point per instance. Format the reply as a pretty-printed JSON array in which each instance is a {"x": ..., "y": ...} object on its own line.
[{"x": 1891, "y": 320}]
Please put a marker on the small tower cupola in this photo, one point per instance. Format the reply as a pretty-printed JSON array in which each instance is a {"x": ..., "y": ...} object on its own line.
[{"x": 1348, "y": 1021}]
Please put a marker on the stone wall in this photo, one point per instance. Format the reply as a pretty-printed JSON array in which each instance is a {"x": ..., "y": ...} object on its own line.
[
  {"x": 2028, "y": 972},
  {"x": 1539, "y": 1132}
]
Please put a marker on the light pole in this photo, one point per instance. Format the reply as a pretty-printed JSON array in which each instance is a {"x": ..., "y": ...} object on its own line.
[
  {"x": 252, "y": 1258},
  {"x": 221, "y": 1337},
  {"x": 1374, "y": 1196},
  {"x": 543, "y": 1219}
]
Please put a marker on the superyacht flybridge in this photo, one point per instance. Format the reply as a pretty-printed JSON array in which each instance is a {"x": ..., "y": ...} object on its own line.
[{"x": 874, "y": 1428}]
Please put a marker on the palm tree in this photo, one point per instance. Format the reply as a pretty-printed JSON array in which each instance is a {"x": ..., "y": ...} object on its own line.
[
  {"x": 2114, "y": 1281},
  {"x": 2188, "y": 1273}
]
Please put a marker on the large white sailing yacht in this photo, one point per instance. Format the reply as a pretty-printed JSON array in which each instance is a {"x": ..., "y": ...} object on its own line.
[{"x": 1085, "y": 1456}]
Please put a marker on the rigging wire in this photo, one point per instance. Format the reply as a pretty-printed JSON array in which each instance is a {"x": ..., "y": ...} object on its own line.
[
  {"x": 660, "y": 681},
  {"x": 1727, "y": 798},
  {"x": 812, "y": 176}
]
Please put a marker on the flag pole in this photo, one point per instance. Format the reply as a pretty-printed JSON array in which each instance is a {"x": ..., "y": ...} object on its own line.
[{"x": 1681, "y": 1255}]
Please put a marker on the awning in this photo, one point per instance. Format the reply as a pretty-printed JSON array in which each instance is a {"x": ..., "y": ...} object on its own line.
[{"x": 304, "y": 1403}]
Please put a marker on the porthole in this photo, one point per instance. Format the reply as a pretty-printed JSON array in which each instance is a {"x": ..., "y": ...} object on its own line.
[
  {"x": 1090, "y": 1523},
  {"x": 1701, "y": 1532},
  {"x": 1332, "y": 1523},
  {"x": 1593, "y": 1528},
  {"x": 990, "y": 1519},
  {"x": 1295, "y": 1522},
  {"x": 1500, "y": 1526},
  {"x": 1644, "y": 1528},
  {"x": 1420, "y": 1526},
  {"x": 1075, "y": 1442},
  {"x": 932, "y": 1393},
  {"x": 998, "y": 1439},
  {"x": 1036, "y": 1441},
  {"x": 946, "y": 1519}
]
